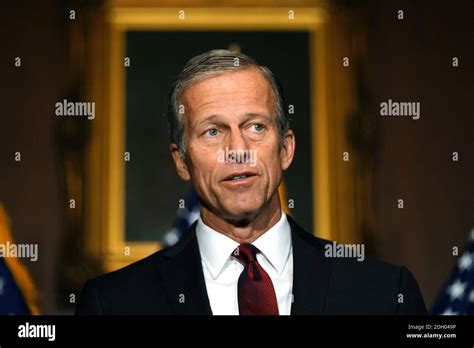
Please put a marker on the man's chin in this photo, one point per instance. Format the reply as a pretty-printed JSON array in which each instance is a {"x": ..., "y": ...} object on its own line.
[{"x": 240, "y": 217}]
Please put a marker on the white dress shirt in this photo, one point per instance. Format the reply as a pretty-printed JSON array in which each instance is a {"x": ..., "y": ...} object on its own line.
[{"x": 222, "y": 270}]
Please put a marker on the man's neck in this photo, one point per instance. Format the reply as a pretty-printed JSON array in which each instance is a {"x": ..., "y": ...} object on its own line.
[{"x": 244, "y": 231}]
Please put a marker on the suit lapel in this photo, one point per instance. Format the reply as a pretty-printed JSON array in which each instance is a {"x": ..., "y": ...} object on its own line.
[
  {"x": 311, "y": 273},
  {"x": 183, "y": 278}
]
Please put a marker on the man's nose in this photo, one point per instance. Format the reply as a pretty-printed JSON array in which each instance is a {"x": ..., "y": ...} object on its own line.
[{"x": 238, "y": 141}]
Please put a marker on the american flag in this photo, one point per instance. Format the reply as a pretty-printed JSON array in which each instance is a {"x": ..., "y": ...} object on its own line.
[
  {"x": 11, "y": 298},
  {"x": 457, "y": 297},
  {"x": 185, "y": 217},
  {"x": 17, "y": 290}
]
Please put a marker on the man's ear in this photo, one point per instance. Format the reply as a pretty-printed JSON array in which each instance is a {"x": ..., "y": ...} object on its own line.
[
  {"x": 287, "y": 150},
  {"x": 179, "y": 162}
]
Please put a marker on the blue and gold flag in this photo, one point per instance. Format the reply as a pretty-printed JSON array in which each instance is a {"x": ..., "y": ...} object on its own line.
[{"x": 17, "y": 291}]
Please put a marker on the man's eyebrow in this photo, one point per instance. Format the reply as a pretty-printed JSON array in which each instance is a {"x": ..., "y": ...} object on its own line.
[{"x": 208, "y": 119}]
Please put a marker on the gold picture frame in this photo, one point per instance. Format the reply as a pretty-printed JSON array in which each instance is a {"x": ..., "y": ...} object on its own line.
[{"x": 106, "y": 166}]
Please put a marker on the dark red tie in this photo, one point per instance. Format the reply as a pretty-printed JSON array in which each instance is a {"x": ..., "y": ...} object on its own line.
[{"x": 255, "y": 288}]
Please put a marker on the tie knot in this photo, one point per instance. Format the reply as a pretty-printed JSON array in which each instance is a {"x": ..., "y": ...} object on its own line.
[{"x": 246, "y": 253}]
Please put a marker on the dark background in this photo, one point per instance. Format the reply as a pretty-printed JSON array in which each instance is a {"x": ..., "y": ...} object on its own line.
[{"x": 409, "y": 60}]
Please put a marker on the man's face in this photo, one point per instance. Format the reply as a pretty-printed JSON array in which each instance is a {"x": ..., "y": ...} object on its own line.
[{"x": 232, "y": 144}]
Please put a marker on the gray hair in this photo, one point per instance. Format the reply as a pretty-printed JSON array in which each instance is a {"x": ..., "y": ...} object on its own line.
[{"x": 213, "y": 63}]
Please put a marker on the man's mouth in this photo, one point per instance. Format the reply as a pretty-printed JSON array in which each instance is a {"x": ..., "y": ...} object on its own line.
[{"x": 239, "y": 176}]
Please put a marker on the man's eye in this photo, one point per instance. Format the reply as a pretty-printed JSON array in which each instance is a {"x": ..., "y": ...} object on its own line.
[
  {"x": 212, "y": 132},
  {"x": 258, "y": 127}
]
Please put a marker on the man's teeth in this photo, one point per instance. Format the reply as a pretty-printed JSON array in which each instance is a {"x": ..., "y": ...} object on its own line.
[{"x": 239, "y": 177}]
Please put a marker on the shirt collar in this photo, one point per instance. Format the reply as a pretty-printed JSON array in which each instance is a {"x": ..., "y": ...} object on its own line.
[
  {"x": 275, "y": 244},
  {"x": 216, "y": 248}
]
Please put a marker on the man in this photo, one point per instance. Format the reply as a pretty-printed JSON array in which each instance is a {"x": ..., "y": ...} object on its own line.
[{"x": 230, "y": 137}]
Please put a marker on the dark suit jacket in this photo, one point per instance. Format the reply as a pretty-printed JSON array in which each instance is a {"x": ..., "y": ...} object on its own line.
[{"x": 321, "y": 285}]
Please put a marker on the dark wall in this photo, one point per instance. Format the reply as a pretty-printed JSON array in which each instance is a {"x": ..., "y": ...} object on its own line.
[
  {"x": 410, "y": 60},
  {"x": 29, "y": 189}
]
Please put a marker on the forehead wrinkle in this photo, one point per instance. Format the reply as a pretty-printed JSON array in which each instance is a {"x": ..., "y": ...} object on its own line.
[
  {"x": 220, "y": 81},
  {"x": 217, "y": 90}
]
